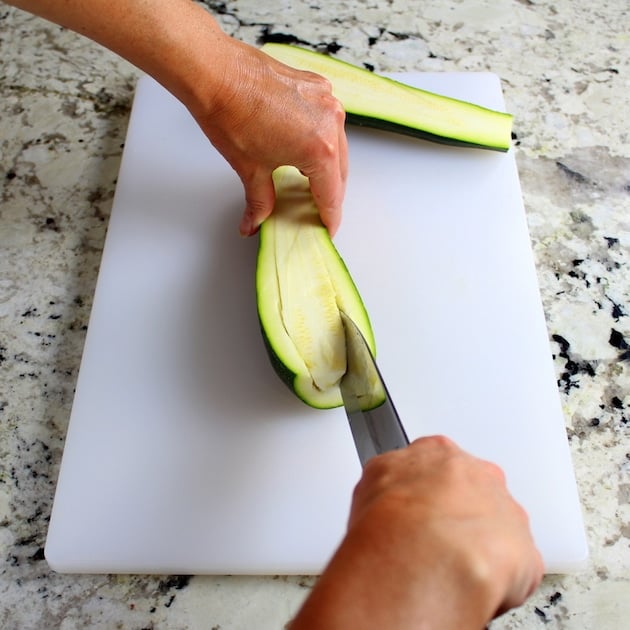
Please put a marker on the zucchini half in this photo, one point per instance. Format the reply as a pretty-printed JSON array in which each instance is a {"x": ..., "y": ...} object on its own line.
[
  {"x": 302, "y": 284},
  {"x": 376, "y": 101}
]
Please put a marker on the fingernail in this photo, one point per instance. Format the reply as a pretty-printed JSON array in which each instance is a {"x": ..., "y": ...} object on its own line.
[
  {"x": 247, "y": 225},
  {"x": 248, "y": 228},
  {"x": 333, "y": 222}
]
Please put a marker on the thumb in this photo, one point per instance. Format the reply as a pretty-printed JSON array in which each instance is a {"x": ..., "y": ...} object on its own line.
[{"x": 260, "y": 197}]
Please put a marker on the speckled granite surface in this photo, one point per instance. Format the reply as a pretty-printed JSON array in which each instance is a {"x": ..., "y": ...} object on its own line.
[{"x": 64, "y": 105}]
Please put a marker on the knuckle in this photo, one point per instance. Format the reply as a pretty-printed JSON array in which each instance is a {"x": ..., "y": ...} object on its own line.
[
  {"x": 330, "y": 148},
  {"x": 256, "y": 206},
  {"x": 375, "y": 468},
  {"x": 379, "y": 470},
  {"x": 322, "y": 82},
  {"x": 339, "y": 111},
  {"x": 521, "y": 513},
  {"x": 248, "y": 172},
  {"x": 325, "y": 146},
  {"x": 438, "y": 442},
  {"x": 313, "y": 85},
  {"x": 494, "y": 470}
]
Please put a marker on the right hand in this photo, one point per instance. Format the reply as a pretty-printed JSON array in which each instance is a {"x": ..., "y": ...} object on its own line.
[
  {"x": 434, "y": 495},
  {"x": 434, "y": 540}
]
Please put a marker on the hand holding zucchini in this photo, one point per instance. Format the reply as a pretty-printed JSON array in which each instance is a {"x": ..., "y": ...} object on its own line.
[
  {"x": 301, "y": 285},
  {"x": 376, "y": 101}
]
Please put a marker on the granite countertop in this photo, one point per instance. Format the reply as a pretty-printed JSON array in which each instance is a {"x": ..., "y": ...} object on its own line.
[{"x": 64, "y": 109}]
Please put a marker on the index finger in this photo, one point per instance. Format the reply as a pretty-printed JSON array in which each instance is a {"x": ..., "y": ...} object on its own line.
[{"x": 328, "y": 184}]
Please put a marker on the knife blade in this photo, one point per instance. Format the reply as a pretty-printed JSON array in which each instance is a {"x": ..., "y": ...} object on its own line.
[{"x": 374, "y": 421}]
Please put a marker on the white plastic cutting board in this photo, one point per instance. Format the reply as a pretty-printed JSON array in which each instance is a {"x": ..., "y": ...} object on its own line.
[{"x": 186, "y": 454}]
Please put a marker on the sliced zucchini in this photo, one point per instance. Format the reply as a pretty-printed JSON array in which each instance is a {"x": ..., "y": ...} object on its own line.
[
  {"x": 373, "y": 100},
  {"x": 302, "y": 284}
]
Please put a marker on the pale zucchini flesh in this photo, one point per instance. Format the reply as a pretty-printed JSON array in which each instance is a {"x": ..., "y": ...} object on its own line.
[
  {"x": 377, "y": 101},
  {"x": 302, "y": 284}
]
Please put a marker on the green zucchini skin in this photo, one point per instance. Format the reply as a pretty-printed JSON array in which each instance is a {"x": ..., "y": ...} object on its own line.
[
  {"x": 376, "y": 101},
  {"x": 386, "y": 125},
  {"x": 282, "y": 371},
  {"x": 289, "y": 378}
]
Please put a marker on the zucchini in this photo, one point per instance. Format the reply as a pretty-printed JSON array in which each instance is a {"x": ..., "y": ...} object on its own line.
[
  {"x": 302, "y": 284},
  {"x": 376, "y": 101}
]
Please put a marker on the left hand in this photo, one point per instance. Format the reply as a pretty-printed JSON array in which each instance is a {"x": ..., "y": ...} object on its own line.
[{"x": 264, "y": 115}]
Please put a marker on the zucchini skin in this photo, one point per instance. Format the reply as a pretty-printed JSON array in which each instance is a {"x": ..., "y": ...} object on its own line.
[
  {"x": 288, "y": 377},
  {"x": 369, "y": 99},
  {"x": 421, "y": 134},
  {"x": 282, "y": 371}
]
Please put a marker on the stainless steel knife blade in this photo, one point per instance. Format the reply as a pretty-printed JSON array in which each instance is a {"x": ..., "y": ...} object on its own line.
[{"x": 374, "y": 421}]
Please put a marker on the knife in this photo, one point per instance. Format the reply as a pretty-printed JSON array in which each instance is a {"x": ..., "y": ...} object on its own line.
[{"x": 374, "y": 421}]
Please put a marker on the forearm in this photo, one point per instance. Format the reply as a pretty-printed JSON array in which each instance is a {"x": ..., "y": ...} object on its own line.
[
  {"x": 369, "y": 584},
  {"x": 176, "y": 41},
  {"x": 257, "y": 112}
]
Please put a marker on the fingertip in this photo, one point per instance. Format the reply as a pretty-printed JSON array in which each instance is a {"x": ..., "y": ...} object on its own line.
[
  {"x": 328, "y": 195},
  {"x": 332, "y": 221},
  {"x": 245, "y": 227},
  {"x": 249, "y": 225},
  {"x": 260, "y": 199},
  {"x": 330, "y": 210}
]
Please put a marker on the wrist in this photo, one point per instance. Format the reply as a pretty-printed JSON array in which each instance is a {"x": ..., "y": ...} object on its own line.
[
  {"x": 187, "y": 52},
  {"x": 370, "y": 584}
]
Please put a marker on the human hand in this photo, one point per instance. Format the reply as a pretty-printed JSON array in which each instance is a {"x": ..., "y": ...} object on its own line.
[
  {"x": 259, "y": 113},
  {"x": 265, "y": 115},
  {"x": 434, "y": 493},
  {"x": 434, "y": 540}
]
